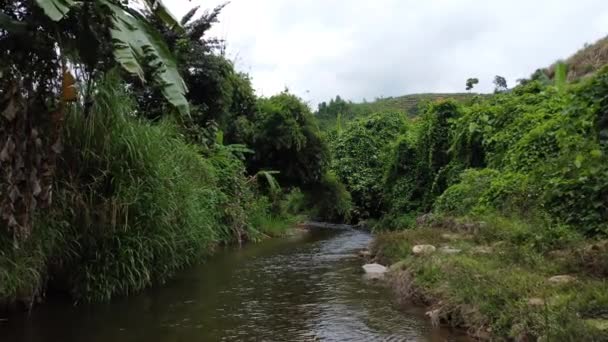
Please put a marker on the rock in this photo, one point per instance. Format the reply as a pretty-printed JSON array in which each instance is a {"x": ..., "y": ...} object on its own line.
[
  {"x": 362, "y": 225},
  {"x": 536, "y": 302},
  {"x": 423, "y": 249},
  {"x": 449, "y": 250},
  {"x": 374, "y": 271},
  {"x": 482, "y": 250},
  {"x": 434, "y": 316},
  {"x": 365, "y": 254},
  {"x": 562, "y": 279}
]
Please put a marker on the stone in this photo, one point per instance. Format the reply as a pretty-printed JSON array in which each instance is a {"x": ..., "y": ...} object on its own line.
[
  {"x": 562, "y": 279},
  {"x": 449, "y": 250},
  {"x": 536, "y": 302},
  {"x": 423, "y": 249},
  {"x": 374, "y": 271},
  {"x": 365, "y": 254},
  {"x": 434, "y": 315}
]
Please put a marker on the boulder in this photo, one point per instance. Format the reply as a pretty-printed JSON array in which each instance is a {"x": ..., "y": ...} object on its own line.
[
  {"x": 374, "y": 271},
  {"x": 423, "y": 249},
  {"x": 562, "y": 279}
]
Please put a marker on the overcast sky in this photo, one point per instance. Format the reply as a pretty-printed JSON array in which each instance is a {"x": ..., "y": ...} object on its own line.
[{"x": 372, "y": 48}]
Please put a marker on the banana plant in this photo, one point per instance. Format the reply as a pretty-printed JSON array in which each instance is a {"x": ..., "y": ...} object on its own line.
[
  {"x": 136, "y": 44},
  {"x": 46, "y": 48}
]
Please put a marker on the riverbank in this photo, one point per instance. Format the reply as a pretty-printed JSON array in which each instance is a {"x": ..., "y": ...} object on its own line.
[{"x": 500, "y": 278}]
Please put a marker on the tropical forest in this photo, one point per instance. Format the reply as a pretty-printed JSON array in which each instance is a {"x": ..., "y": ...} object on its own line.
[{"x": 150, "y": 192}]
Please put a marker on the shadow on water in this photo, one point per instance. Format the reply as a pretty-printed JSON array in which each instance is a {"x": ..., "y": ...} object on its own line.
[{"x": 303, "y": 288}]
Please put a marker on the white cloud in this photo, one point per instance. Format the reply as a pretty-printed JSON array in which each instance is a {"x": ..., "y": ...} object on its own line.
[{"x": 365, "y": 48}]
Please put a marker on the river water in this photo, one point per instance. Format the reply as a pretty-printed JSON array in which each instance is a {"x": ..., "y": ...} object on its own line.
[{"x": 307, "y": 287}]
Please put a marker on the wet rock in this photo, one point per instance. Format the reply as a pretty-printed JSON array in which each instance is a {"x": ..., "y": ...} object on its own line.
[
  {"x": 366, "y": 254},
  {"x": 536, "y": 302},
  {"x": 423, "y": 249},
  {"x": 374, "y": 271},
  {"x": 434, "y": 316},
  {"x": 562, "y": 279},
  {"x": 449, "y": 250}
]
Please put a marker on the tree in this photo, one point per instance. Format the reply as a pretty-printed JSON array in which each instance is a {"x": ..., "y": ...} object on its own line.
[
  {"x": 471, "y": 82},
  {"x": 500, "y": 84},
  {"x": 48, "y": 50},
  {"x": 286, "y": 138}
]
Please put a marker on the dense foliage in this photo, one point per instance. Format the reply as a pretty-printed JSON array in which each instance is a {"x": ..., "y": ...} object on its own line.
[
  {"x": 138, "y": 191},
  {"x": 359, "y": 155}
]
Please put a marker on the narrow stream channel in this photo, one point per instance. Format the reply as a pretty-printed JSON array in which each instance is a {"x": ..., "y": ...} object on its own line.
[{"x": 303, "y": 288}]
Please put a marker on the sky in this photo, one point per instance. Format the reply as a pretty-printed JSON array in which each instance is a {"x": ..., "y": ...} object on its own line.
[{"x": 365, "y": 49}]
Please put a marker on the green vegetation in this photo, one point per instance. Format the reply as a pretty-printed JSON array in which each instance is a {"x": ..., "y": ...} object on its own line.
[
  {"x": 109, "y": 184},
  {"x": 512, "y": 189},
  {"x": 338, "y": 110},
  {"x": 498, "y": 285}
]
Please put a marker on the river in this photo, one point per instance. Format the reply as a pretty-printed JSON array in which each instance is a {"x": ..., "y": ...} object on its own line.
[{"x": 308, "y": 287}]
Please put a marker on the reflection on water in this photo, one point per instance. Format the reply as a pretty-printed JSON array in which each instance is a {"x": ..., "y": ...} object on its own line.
[{"x": 306, "y": 288}]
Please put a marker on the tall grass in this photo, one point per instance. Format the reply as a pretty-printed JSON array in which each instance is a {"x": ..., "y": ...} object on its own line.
[{"x": 134, "y": 202}]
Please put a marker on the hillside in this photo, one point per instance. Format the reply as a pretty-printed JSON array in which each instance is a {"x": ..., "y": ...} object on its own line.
[
  {"x": 584, "y": 62},
  {"x": 327, "y": 113},
  {"x": 408, "y": 103}
]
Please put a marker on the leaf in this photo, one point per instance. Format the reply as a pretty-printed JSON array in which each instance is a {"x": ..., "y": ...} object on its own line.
[
  {"x": 10, "y": 25},
  {"x": 578, "y": 162},
  {"x": 134, "y": 41},
  {"x": 55, "y": 9},
  {"x": 186, "y": 18},
  {"x": 161, "y": 11}
]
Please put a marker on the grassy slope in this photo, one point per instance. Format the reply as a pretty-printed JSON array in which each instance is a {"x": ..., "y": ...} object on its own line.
[
  {"x": 586, "y": 61},
  {"x": 408, "y": 103},
  {"x": 498, "y": 286}
]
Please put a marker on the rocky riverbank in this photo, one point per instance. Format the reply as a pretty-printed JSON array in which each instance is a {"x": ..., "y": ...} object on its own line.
[{"x": 494, "y": 280}]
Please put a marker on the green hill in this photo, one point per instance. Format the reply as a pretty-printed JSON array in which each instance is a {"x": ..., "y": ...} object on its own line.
[{"x": 327, "y": 113}]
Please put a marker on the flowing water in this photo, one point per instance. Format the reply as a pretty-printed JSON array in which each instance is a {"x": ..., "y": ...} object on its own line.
[{"x": 303, "y": 288}]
